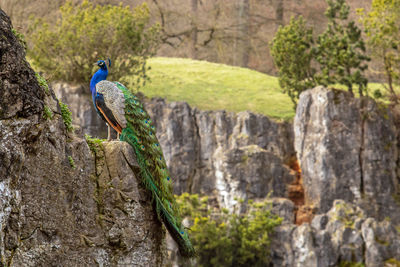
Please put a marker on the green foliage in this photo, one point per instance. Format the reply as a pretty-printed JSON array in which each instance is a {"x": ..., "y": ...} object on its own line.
[
  {"x": 382, "y": 28},
  {"x": 392, "y": 263},
  {"x": 66, "y": 115},
  {"x": 341, "y": 50},
  {"x": 94, "y": 143},
  {"x": 47, "y": 113},
  {"x": 377, "y": 94},
  {"x": 229, "y": 239},
  {"x": 43, "y": 83},
  {"x": 87, "y": 33},
  {"x": 20, "y": 37},
  {"x": 71, "y": 162},
  {"x": 339, "y": 53},
  {"x": 292, "y": 51}
]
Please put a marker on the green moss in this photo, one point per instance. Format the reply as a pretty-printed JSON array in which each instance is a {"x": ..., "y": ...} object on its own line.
[
  {"x": 396, "y": 195},
  {"x": 20, "y": 37},
  {"x": 392, "y": 262},
  {"x": 94, "y": 143},
  {"x": 336, "y": 96},
  {"x": 351, "y": 264},
  {"x": 43, "y": 83},
  {"x": 383, "y": 109},
  {"x": 348, "y": 219},
  {"x": 381, "y": 241},
  {"x": 245, "y": 158},
  {"x": 66, "y": 115},
  {"x": 71, "y": 162},
  {"x": 47, "y": 113}
]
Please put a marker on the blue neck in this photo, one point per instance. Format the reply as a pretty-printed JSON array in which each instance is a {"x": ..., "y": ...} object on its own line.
[{"x": 100, "y": 75}]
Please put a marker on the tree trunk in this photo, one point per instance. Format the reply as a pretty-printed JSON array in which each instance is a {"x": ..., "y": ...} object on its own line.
[
  {"x": 242, "y": 42},
  {"x": 388, "y": 69},
  {"x": 193, "y": 40},
  {"x": 279, "y": 13}
]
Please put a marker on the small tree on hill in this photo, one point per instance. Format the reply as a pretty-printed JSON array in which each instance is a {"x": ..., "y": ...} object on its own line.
[
  {"x": 338, "y": 55},
  {"x": 341, "y": 50},
  {"x": 292, "y": 52},
  {"x": 86, "y": 33},
  {"x": 382, "y": 27}
]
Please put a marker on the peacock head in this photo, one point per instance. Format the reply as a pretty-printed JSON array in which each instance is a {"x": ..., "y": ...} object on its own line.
[{"x": 102, "y": 64}]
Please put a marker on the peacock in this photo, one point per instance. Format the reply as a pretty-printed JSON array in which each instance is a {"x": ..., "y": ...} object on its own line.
[{"x": 123, "y": 111}]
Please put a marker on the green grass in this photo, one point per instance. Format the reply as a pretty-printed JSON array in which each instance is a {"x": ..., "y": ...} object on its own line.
[{"x": 211, "y": 86}]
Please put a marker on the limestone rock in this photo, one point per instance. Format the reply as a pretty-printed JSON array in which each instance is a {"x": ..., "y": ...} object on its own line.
[
  {"x": 59, "y": 204},
  {"x": 347, "y": 150},
  {"x": 230, "y": 155},
  {"x": 343, "y": 234}
]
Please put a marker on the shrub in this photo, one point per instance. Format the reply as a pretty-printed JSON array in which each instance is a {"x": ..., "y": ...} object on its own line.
[
  {"x": 86, "y": 33},
  {"x": 222, "y": 238}
]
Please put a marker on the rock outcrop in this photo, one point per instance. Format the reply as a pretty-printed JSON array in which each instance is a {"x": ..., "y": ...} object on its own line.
[
  {"x": 218, "y": 153},
  {"x": 59, "y": 204},
  {"x": 343, "y": 235},
  {"x": 347, "y": 148},
  {"x": 231, "y": 155}
]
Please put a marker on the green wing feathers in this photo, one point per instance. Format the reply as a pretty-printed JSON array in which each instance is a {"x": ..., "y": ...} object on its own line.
[{"x": 140, "y": 134}]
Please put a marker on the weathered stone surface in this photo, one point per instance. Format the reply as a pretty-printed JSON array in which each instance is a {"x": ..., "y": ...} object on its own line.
[
  {"x": 283, "y": 207},
  {"x": 229, "y": 155},
  {"x": 347, "y": 150},
  {"x": 343, "y": 234},
  {"x": 59, "y": 204},
  {"x": 15, "y": 75}
]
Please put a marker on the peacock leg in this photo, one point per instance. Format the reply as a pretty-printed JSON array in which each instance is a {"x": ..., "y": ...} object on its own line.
[
  {"x": 117, "y": 135},
  {"x": 109, "y": 133}
]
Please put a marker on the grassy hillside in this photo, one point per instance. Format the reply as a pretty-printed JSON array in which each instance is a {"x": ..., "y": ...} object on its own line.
[{"x": 210, "y": 86}]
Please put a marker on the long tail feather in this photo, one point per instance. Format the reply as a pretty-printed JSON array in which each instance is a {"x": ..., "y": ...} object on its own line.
[{"x": 140, "y": 134}]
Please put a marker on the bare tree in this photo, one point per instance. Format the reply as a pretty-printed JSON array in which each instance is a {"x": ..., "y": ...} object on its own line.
[{"x": 194, "y": 29}]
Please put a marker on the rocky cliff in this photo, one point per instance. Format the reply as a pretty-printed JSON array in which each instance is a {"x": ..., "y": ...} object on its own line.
[
  {"x": 60, "y": 203},
  {"x": 341, "y": 205},
  {"x": 64, "y": 202},
  {"x": 227, "y": 155},
  {"x": 348, "y": 150},
  {"x": 348, "y": 154}
]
